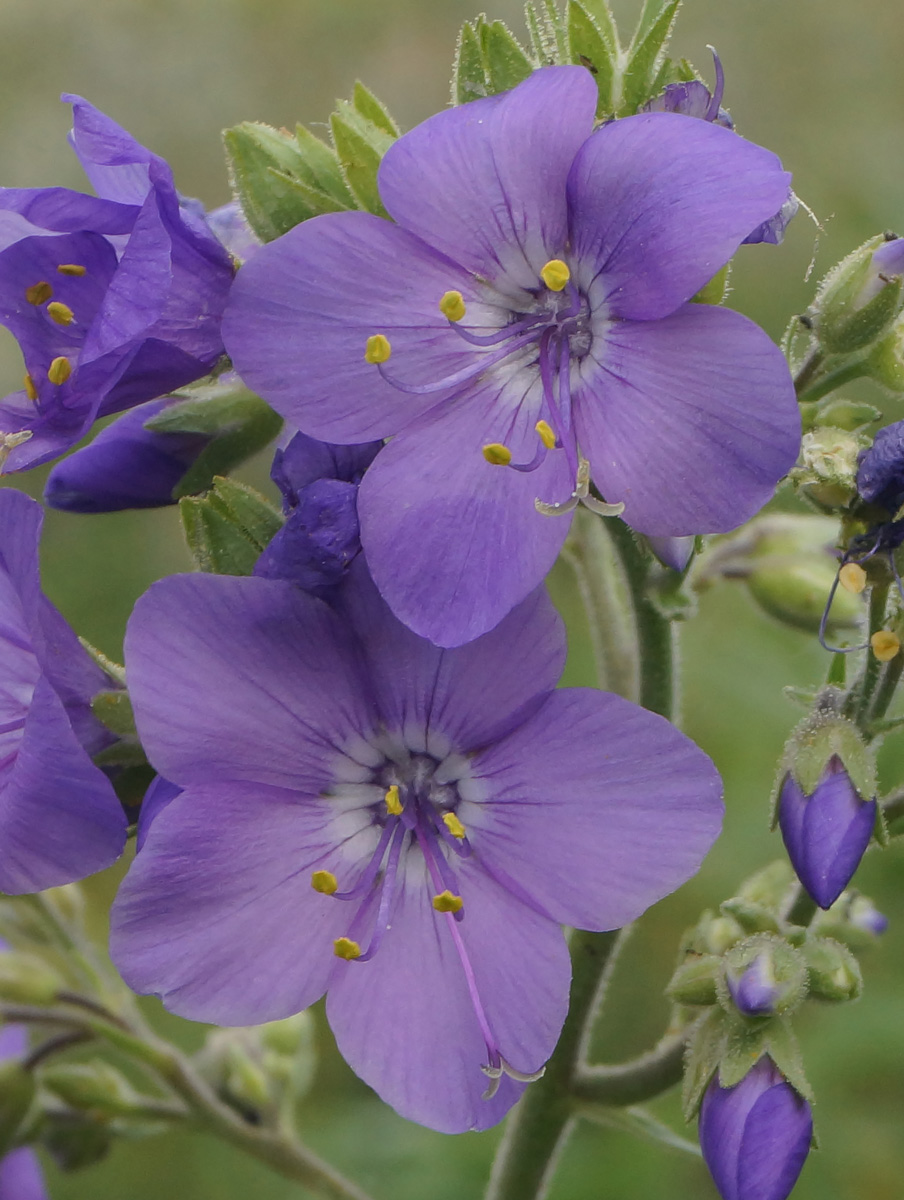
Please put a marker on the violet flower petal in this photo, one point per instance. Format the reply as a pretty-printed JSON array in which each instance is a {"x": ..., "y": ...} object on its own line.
[
  {"x": 690, "y": 420},
  {"x": 660, "y": 202},
  {"x": 159, "y": 795},
  {"x": 21, "y": 1177},
  {"x": 319, "y": 540}
]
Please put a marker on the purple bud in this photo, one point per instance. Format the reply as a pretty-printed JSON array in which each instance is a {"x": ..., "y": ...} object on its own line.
[
  {"x": 674, "y": 552},
  {"x": 827, "y": 832},
  {"x": 773, "y": 230},
  {"x": 756, "y": 1135},
  {"x": 863, "y": 915},
  {"x": 755, "y": 990},
  {"x": 880, "y": 472},
  {"x": 126, "y": 466}
]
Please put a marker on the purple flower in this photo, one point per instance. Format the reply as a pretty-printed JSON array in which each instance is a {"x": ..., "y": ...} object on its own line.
[
  {"x": 532, "y": 291},
  {"x": 229, "y": 224},
  {"x": 20, "y": 1175},
  {"x": 319, "y": 483},
  {"x": 674, "y": 552},
  {"x": 114, "y": 299},
  {"x": 159, "y": 795},
  {"x": 755, "y": 990},
  {"x": 827, "y": 832},
  {"x": 126, "y": 466},
  {"x": 880, "y": 469},
  {"x": 404, "y": 827},
  {"x": 59, "y": 816},
  {"x": 756, "y": 1135}
]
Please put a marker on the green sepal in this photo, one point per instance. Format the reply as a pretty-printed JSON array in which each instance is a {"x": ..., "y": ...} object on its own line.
[
  {"x": 360, "y": 145},
  {"x": 28, "y": 979},
  {"x": 842, "y": 327},
  {"x": 771, "y": 886},
  {"x": 114, "y": 710},
  {"x": 705, "y": 1048},
  {"x": 17, "y": 1092},
  {"x": 646, "y": 54},
  {"x": 75, "y": 1143},
  {"x": 833, "y": 971},
  {"x": 542, "y": 46},
  {"x": 821, "y": 736},
  {"x": 600, "y": 14},
  {"x": 469, "y": 77},
  {"x": 319, "y": 171},
  {"x": 557, "y": 34},
  {"x": 850, "y": 415},
  {"x": 746, "y": 1044},
  {"x": 694, "y": 982},
  {"x": 716, "y": 290},
  {"x": 753, "y": 918},
  {"x": 229, "y": 528},
  {"x": 506, "y": 62},
  {"x": 373, "y": 110},
  {"x": 593, "y": 47},
  {"x": 95, "y": 1086}
]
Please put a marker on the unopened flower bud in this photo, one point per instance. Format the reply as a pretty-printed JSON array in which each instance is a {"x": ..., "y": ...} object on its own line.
[
  {"x": 764, "y": 977},
  {"x": 694, "y": 982},
  {"x": 28, "y": 979},
  {"x": 861, "y": 297},
  {"x": 95, "y": 1087},
  {"x": 674, "y": 552},
  {"x": 853, "y": 920},
  {"x": 756, "y": 1135},
  {"x": 833, "y": 972}
]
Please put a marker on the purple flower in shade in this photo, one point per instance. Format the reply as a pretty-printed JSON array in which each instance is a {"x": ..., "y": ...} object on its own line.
[
  {"x": 756, "y": 1135},
  {"x": 827, "y": 832},
  {"x": 880, "y": 469},
  {"x": 532, "y": 289},
  {"x": 160, "y": 795},
  {"x": 125, "y": 466},
  {"x": 404, "y": 827},
  {"x": 755, "y": 990},
  {"x": 319, "y": 484},
  {"x": 694, "y": 99},
  {"x": 59, "y": 816},
  {"x": 864, "y": 915},
  {"x": 114, "y": 299},
  {"x": 674, "y": 552}
]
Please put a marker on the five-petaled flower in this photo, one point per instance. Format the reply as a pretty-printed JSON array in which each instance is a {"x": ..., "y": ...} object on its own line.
[
  {"x": 521, "y": 327},
  {"x": 402, "y": 826},
  {"x": 114, "y": 299}
]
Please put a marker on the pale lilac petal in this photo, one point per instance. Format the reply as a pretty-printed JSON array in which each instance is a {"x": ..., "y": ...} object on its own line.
[
  {"x": 196, "y": 642},
  {"x": 21, "y": 1177},
  {"x": 485, "y": 182},
  {"x": 302, "y": 309},
  {"x": 690, "y": 421},
  {"x": 116, "y": 164},
  {"x": 474, "y": 544},
  {"x": 405, "y": 1023},
  {"x": 593, "y": 809},
  {"x": 217, "y": 915},
  {"x": 660, "y": 202},
  {"x": 466, "y": 697}
]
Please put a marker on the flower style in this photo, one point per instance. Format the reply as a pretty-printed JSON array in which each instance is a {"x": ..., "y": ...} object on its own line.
[
  {"x": 59, "y": 816},
  {"x": 114, "y": 299},
  {"x": 404, "y": 827},
  {"x": 521, "y": 326}
]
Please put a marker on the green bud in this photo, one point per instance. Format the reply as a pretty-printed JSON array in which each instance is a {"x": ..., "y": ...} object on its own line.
[
  {"x": 17, "y": 1091},
  {"x": 27, "y": 979},
  {"x": 827, "y": 474},
  {"x": 292, "y": 1036},
  {"x": 229, "y": 528},
  {"x": 770, "y": 887},
  {"x": 858, "y": 300},
  {"x": 694, "y": 982},
  {"x": 719, "y": 933},
  {"x": 849, "y": 415},
  {"x": 95, "y": 1087},
  {"x": 833, "y": 971},
  {"x": 886, "y": 361},
  {"x": 753, "y": 918},
  {"x": 852, "y": 920}
]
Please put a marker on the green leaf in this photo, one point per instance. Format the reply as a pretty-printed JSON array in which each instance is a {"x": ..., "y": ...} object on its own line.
[
  {"x": 704, "y": 1050},
  {"x": 506, "y": 63},
  {"x": 557, "y": 34},
  {"x": 114, "y": 709},
  {"x": 590, "y": 47},
  {"x": 372, "y": 110},
  {"x": 259, "y": 157},
  {"x": 228, "y": 529},
  {"x": 469, "y": 78},
  {"x": 360, "y": 145},
  {"x": 318, "y": 169},
  {"x": 542, "y": 46},
  {"x": 645, "y": 58},
  {"x": 650, "y": 14},
  {"x": 600, "y": 14}
]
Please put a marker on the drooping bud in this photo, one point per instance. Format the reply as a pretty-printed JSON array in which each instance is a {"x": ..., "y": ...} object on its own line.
[
  {"x": 861, "y": 297},
  {"x": 756, "y": 1135},
  {"x": 764, "y": 977},
  {"x": 833, "y": 972}
]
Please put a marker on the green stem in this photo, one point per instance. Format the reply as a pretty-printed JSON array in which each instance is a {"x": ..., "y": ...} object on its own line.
[
  {"x": 860, "y": 701},
  {"x": 803, "y": 909},
  {"x": 808, "y": 371},
  {"x": 832, "y": 381},
  {"x": 889, "y": 678},
  {"x": 636, "y": 1081}
]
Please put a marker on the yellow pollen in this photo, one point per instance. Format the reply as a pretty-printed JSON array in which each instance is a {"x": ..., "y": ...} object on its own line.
[
  {"x": 852, "y": 578},
  {"x": 377, "y": 349},
  {"x": 345, "y": 948},
  {"x": 453, "y": 824},
  {"x": 31, "y": 390},
  {"x": 38, "y": 293},
  {"x": 547, "y": 437},
  {"x": 555, "y": 274},
  {"x": 452, "y": 306},
  {"x": 59, "y": 370},
  {"x": 324, "y": 882},
  {"x": 72, "y": 269},
  {"x": 885, "y": 645},
  {"x": 497, "y": 454},
  {"x": 445, "y": 902},
  {"x": 61, "y": 313},
  {"x": 393, "y": 803}
]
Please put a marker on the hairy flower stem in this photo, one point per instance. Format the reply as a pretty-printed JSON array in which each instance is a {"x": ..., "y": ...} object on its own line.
[{"x": 633, "y": 1082}]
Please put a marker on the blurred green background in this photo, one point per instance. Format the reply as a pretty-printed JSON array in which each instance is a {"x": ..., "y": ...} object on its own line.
[{"x": 819, "y": 81}]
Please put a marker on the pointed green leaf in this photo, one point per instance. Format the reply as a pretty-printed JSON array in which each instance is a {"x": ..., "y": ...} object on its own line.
[
  {"x": 229, "y": 528},
  {"x": 590, "y": 48},
  {"x": 469, "y": 78},
  {"x": 651, "y": 12},
  {"x": 600, "y": 14},
  {"x": 372, "y": 110},
  {"x": 318, "y": 168},
  {"x": 360, "y": 145},
  {"x": 644, "y": 60},
  {"x": 542, "y": 47},
  {"x": 557, "y": 33},
  {"x": 704, "y": 1050},
  {"x": 507, "y": 64},
  {"x": 317, "y": 201},
  {"x": 254, "y": 153}
]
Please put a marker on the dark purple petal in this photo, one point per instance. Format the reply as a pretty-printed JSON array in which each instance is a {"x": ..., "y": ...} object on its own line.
[
  {"x": 116, "y": 164},
  {"x": 405, "y": 1021},
  {"x": 319, "y": 540},
  {"x": 159, "y": 795},
  {"x": 660, "y": 202},
  {"x": 674, "y": 552},
  {"x": 755, "y": 990},
  {"x": 880, "y": 473},
  {"x": 691, "y": 98},
  {"x": 126, "y": 466},
  {"x": 25, "y": 212},
  {"x": 195, "y": 643},
  {"x": 304, "y": 460},
  {"x": 593, "y": 809},
  {"x": 484, "y": 183},
  {"x": 453, "y": 542},
  {"x": 21, "y": 1177},
  {"x": 690, "y": 421},
  {"x": 755, "y": 1136},
  {"x": 772, "y": 232}
]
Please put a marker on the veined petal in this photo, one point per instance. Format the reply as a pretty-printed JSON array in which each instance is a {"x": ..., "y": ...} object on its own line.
[
  {"x": 454, "y": 542},
  {"x": 243, "y": 679},
  {"x": 660, "y": 202},
  {"x": 113, "y": 160},
  {"x": 485, "y": 182},
  {"x": 405, "y": 1021},
  {"x": 691, "y": 421},
  {"x": 593, "y": 809},
  {"x": 303, "y": 308}
]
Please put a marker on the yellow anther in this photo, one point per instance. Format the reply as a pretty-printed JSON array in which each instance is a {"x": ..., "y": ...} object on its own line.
[
  {"x": 61, "y": 313},
  {"x": 31, "y": 390},
  {"x": 852, "y": 578},
  {"x": 497, "y": 454},
  {"x": 547, "y": 437},
  {"x": 446, "y": 902},
  {"x": 345, "y": 948},
  {"x": 555, "y": 274},
  {"x": 885, "y": 644},
  {"x": 377, "y": 349},
  {"x": 39, "y": 293},
  {"x": 72, "y": 269},
  {"x": 453, "y": 824},
  {"x": 324, "y": 882},
  {"x": 452, "y": 306},
  {"x": 393, "y": 803},
  {"x": 59, "y": 370}
]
